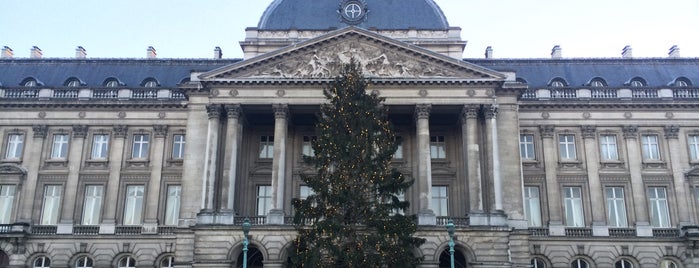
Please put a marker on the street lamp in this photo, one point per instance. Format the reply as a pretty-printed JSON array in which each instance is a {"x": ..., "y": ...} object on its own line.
[
  {"x": 450, "y": 230},
  {"x": 246, "y": 230}
]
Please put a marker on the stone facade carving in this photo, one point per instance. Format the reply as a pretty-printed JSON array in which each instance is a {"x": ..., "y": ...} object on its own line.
[
  {"x": 213, "y": 110},
  {"x": 630, "y": 132},
  {"x": 79, "y": 131},
  {"x": 588, "y": 131},
  {"x": 40, "y": 131},
  {"x": 547, "y": 131},
  {"x": 672, "y": 131},
  {"x": 120, "y": 131},
  {"x": 281, "y": 111},
  {"x": 160, "y": 130},
  {"x": 422, "y": 111}
]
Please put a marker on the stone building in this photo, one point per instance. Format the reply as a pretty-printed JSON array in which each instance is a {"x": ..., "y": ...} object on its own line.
[{"x": 540, "y": 162}]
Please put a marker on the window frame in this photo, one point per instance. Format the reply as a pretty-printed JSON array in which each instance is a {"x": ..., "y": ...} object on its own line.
[
  {"x": 578, "y": 219},
  {"x": 96, "y": 201},
  {"x": 609, "y": 151},
  {"x": 693, "y": 147},
  {"x": 527, "y": 149},
  {"x": 143, "y": 144},
  {"x": 7, "y": 216},
  {"x": 89, "y": 262},
  {"x": 624, "y": 263},
  {"x": 103, "y": 146},
  {"x": 130, "y": 262},
  {"x": 615, "y": 199},
  {"x": 177, "y": 149},
  {"x": 136, "y": 216},
  {"x": 441, "y": 210},
  {"x": 45, "y": 262},
  {"x": 568, "y": 155},
  {"x": 173, "y": 205},
  {"x": 438, "y": 147},
  {"x": 266, "y": 148},
  {"x": 13, "y": 150},
  {"x": 54, "y": 217},
  {"x": 528, "y": 201},
  {"x": 579, "y": 263},
  {"x": 646, "y": 146},
  {"x": 263, "y": 202},
  {"x": 307, "y": 145},
  {"x": 62, "y": 145},
  {"x": 170, "y": 259},
  {"x": 666, "y": 219}
]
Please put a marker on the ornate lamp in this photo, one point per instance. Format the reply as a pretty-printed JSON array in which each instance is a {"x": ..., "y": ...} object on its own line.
[
  {"x": 246, "y": 230},
  {"x": 450, "y": 230}
]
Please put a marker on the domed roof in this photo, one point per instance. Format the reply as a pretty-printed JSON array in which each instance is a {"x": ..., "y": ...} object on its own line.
[{"x": 379, "y": 14}]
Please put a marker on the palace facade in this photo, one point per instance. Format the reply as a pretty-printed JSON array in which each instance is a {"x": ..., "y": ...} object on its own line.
[{"x": 557, "y": 162}]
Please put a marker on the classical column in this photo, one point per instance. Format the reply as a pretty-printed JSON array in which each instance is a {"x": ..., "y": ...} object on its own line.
[
  {"x": 193, "y": 166},
  {"x": 637, "y": 188},
  {"x": 469, "y": 130},
  {"x": 551, "y": 165},
  {"x": 116, "y": 152},
  {"x": 154, "y": 189},
  {"x": 210, "y": 164},
  {"x": 65, "y": 226},
  {"x": 492, "y": 133},
  {"x": 683, "y": 204},
  {"x": 425, "y": 214},
  {"x": 599, "y": 226},
  {"x": 29, "y": 186},
  {"x": 234, "y": 131},
  {"x": 276, "y": 213}
]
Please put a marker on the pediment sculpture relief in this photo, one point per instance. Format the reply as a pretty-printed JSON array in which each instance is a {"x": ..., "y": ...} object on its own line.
[{"x": 376, "y": 62}]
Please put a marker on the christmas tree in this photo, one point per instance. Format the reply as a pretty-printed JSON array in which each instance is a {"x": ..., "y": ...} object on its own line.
[{"x": 354, "y": 216}]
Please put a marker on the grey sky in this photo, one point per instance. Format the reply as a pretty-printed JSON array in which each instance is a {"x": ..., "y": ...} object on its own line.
[{"x": 191, "y": 29}]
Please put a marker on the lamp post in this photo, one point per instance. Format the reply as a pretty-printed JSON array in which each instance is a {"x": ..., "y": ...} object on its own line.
[
  {"x": 246, "y": 230},
  {"x": 450, "y": 230}
]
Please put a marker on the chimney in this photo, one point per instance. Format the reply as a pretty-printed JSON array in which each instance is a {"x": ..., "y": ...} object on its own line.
[
  {"x": 6, "y": 53},
  {"x": 151, "y": 53},
  {"x": 556, "y": 52},
  {"x": 80, "y": 53},
  {"x": 674, "y": 52},
  {"x": 35, "y": 53},
  {"x": 489, "y": 52},
  {"x": 626, "y": 53},
  {"x": 218, "y": 53}
]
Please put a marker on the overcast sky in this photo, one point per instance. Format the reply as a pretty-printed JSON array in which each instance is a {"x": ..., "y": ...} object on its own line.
[{"x": 191, "y": 29}]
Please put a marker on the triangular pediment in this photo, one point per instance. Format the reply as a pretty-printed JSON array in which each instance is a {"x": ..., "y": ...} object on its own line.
[{"x": 380, "y": 57}]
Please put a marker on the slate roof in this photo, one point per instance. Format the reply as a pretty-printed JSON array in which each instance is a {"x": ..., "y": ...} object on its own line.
[
  {"x": 382, "y": 15},
  {"x": 657, "y": 72},
  {"x": 93, "y": 72}
]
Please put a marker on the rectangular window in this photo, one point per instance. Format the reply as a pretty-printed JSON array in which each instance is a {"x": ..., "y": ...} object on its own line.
[
  {"x": 92, "y": 207},
  {"x": 608, "y": 148},
  {"x": 566, "y": 147},
  {"x": 7, "y": 199},
  {"x": 616, "y": 207},
  {"x": 15, "y": 145},
  {"x": 172, "y": 204},
  {"x": 266, "y": 147},
  {"x": 437, "y": 147},
  {"x": 305, "y": 191},
  {"x": 178, "y": 142},
  {"x": 307, "y": 147},
  {"x": 59, "y": 148},
  {"x": 693, "y": 141},
  {"x": 51, "y": 208},
  {"x": 575, "y": 216},
  {"x": 440, "y": 198},
  {"x": 133, "y": 205},
  {"x": 140, "y": 146},
  {"x": 399, "y": 148},
  {"x": 532, "y": 206},
  {"x": 100, "y": 146},
  {"x": 659, "y": 213},
  {"x": 526, "y": 146},
  {"x": 264, "y": 199},
  {"x": 651, "y": 150}
]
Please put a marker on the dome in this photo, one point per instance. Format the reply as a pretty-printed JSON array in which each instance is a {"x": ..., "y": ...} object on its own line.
[{"x": 378, "y": 14}]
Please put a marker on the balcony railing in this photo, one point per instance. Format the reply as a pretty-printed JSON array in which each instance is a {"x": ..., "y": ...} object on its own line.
[
  {"x": 144, "y": 94},
  {"x": 458, "y": 221},
  {"x": 563, "y": 94},
  {"x": 44, "y": 229},
  {"x": 685, "y": 93},
  {"x": 603, "y": 93},
  {"x": 65, "y": 93},
  {"x": 539, "y": 231},
  {"x": 579, "y": 232},
  {"x": 611, "y": 93},
  {"x": 105, "y": 94},
  {"x": 86, "y": 230},
  {"x": 11, "y": 93},
  {"x": 255, "y": 220},
  {"x": 82, "y": 94},
  {"x": 622, "y": 232},
  {"x": 666, "y": 232},
  {"x": 128, "y": 230},
  {"x": 644, "y": 93}
]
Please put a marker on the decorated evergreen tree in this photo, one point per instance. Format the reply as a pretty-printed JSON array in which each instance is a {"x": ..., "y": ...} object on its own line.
[{"x": 354, "y": 216}]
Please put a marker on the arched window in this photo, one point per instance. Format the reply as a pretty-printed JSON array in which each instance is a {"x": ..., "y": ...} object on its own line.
[
  {"x": 668, "y": 264},
  {"x": 72, "y": 82},
  {"x": 682, "y": 82},
  {"x": 150, "y": 82},
  {"x": 459, "y": 259},
  {"x": 167, "y": 262},
  {"x": 255, "y": 258},
  {"x": 538, "y": 263},
  {"x": 84, "y": 262},
  {"x": 637, "y": 82},
  {"x": 42, "y": 262},
  {"x": 29, "y": 82},
  {"x": 111, "y": 82},
  {"x": 127, "y": 262},
  {"x": 558, "y": 82},
  {"x": 579, "y": 263},
  {"x": 4, "y": 259},
  {"x": 521, "y": 80},
  {"x": 623, "y": 263},
  {"x": 598, "y": 82}
]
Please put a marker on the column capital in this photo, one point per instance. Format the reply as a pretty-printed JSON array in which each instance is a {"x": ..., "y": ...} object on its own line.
[
  {"x": 281, "y": 110},
  {"x": 672, "y": 131},
  {"x": 160, "y": 130},
  {"x": 40, "y": 131},
  {"x": 233, "y": 111},
  {"x": 630, "y": 132},
  {"x": 470, "y": 111},
  {"x": 120, "y": 131},
  {"x": 422, "y": 111},
  {"x": 79, "y": 131},
  {"x": 546, "y": 131},
  {"x": 588, "y": 131},
  {"x": 214, "y": 110},
  {"x": 490, "y": 111}
]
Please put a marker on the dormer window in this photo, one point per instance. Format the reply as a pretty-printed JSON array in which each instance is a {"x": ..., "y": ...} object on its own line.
[
  {"x": 598, "y": 82},
  {"x": 637, "y": 82},
  {"x": 111, "y": 82},
  {"x": 682, "y": 82},
  {"x": 29, "y": 82},
  {"x": 150, "y": 82},
  {"x": 558, "y": 82},
  {"x": 73, "y": 82}
]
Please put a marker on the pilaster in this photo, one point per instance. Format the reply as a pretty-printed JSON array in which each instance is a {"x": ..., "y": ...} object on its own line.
[
  {"x": 589, "y": 134},
  {"x": 29, "y": 186},
  {"x": 637, "y": 187},
  {"x": 425, "y": 214},
  {"x": 234, "y": 133},
  {"x": 683, "y": 197},
  {"x": 154, "y": 187},
  {"x": 206, "y": 216},
  {"x": 116, "y": 152},
  {"x": 281, "y": 115},
  {"x": 551, "y": 165},
  {"x": 65, "y": 226},
  {"x": 469, "y": 130}
]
